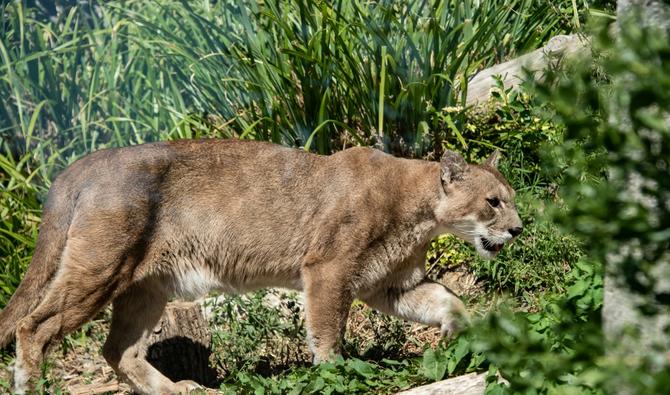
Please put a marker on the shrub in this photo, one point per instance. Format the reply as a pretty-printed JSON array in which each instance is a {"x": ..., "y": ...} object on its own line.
[{"x": 613, "y": 165}]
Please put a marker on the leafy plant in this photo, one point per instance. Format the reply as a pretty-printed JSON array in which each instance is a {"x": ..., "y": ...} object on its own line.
[
  {"x": 612, "y": 166},
  {"x": 440, "y": 362},
  {"x": 617, "y": 141},
  {"x": 250, "y": 335},
  {"x": 615, "y": 160},
  {"x": 19, "y": 219},
  {"x": 350, "y": 376}
]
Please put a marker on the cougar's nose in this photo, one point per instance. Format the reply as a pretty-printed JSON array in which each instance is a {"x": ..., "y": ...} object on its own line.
[{"x": 515, "y": 231}]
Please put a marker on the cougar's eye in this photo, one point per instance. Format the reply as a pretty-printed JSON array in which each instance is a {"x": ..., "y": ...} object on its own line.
[{"x": 493, "y": 202}]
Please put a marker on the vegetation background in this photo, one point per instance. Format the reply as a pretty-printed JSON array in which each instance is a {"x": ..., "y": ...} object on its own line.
[{"x": 78, "y": 76}]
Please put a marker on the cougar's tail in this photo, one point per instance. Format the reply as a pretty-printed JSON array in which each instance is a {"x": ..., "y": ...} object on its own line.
[{"x": 56, "y": 218}]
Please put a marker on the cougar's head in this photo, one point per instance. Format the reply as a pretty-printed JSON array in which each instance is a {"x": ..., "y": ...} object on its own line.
[{"x": 478, "y": 203}]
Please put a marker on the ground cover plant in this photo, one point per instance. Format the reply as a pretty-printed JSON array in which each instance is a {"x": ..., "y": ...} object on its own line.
[{"x": 328, "y": 75}]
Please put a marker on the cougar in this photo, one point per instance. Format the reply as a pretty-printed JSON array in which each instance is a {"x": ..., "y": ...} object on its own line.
[{"x": 136, "y": 226}]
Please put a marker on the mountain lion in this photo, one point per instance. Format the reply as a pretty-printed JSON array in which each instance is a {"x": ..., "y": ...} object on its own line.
[{"x": 136, "y": 226}]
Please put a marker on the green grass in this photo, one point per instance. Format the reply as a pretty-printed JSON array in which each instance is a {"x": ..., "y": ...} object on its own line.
[
  {"x": 20, "y": 212},
  {"x": 301, "y": 73}
]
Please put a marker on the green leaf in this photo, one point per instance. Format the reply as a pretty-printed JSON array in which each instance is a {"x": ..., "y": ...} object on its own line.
[
  {"x": 461, "y": 349},
  {"x": 578, "y": 288},
  {"x": 434, "y": 364},
  {"x": 361, "y": 367}
]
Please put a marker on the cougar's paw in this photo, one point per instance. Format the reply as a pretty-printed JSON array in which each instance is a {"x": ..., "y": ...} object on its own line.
[
  {"x": 21, "y": 380},
  {"x": 451, "y": 328},
  {"x": 185, "y": 387},
  {"x": 325, "y": 357},
  {"x": 456, "y": 321}
]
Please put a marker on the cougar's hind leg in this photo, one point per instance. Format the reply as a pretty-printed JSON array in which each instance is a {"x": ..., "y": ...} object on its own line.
[
  {"x": 135, "y": 313},
  {"x": 80, "y": 289}
]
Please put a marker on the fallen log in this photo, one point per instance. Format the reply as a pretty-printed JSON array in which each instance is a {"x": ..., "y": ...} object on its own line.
[
  {"x": 469, "y": 384},
  {"x": 512, "y": 72}
]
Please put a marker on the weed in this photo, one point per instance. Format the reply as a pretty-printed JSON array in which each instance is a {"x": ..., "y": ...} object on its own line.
[{"x": 260, "y": 332}]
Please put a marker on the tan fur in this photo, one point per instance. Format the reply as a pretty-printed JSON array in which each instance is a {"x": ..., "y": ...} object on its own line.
[{"x": 139, "y": 225}]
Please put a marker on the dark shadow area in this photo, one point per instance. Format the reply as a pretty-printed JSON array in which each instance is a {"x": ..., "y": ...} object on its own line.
[
  {"x": 269, "y": 368},
  {"x": 180, "y": 358}
]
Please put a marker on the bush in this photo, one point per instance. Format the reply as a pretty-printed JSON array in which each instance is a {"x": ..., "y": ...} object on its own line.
[
  {"x": 251, "y": 335},
  {"x": 613, "y": 166},
  {"x": 615, "y": 157}
]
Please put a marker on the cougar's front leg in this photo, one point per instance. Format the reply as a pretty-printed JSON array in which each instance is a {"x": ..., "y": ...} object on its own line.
[
  {"x": 425, "y": 301},
  {"x": 328, "y": 299}
]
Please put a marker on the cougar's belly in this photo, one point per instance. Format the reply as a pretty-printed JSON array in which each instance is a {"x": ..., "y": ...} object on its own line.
[{"x": 194, "y": 272}]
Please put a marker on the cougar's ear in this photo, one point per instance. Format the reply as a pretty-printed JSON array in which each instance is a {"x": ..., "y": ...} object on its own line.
[
  {"x": 453, "y": 166},
  {"x": 493, "y": 159}
]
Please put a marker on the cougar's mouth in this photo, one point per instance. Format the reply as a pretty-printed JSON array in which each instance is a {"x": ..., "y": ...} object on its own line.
[{"x": 491, "y": 246}]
